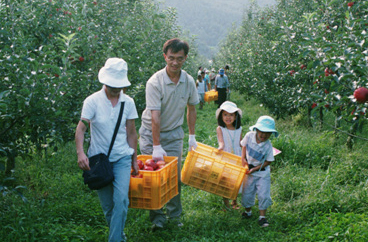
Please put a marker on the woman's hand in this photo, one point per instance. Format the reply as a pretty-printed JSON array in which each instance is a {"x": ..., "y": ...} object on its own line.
[{"x": 83, "y": 162}]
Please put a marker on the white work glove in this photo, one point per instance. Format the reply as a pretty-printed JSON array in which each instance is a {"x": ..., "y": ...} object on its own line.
[
  {"x": 158, "y": 153},
  {"x": 192, "y": 142}
]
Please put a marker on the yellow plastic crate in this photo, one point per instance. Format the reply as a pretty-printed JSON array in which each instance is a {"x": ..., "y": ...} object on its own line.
[
  {"x": 220, "y": 173},
  {"x": 155, "y": 188},
  {"x": 211, "y": 95}
]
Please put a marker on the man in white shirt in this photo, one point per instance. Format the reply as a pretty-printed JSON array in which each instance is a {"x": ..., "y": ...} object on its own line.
[{"x": 168, "y": 92}]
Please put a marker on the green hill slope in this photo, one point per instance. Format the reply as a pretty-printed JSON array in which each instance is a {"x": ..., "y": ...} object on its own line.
[{"x": 210, "y": 20}]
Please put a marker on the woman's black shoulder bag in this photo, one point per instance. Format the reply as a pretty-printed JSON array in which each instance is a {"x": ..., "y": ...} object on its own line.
[{"x": 101, "y": 173}]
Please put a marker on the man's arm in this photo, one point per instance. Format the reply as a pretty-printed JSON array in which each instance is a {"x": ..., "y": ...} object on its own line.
[
  {"x": 156, "y": 126},
  {"x": 216, "y": 83},
  {"x": 191, "y": 118},
  {"x": 158, "y": 152}
]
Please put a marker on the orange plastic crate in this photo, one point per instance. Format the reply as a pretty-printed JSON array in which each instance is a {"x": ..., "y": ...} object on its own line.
[
  {"x": 220, "y": 173},
  {"x": 155, "y": 188},
  {"x": 211, "y": 95}
]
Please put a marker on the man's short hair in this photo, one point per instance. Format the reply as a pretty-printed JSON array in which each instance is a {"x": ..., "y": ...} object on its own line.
[{"x": 176, "y": 45}]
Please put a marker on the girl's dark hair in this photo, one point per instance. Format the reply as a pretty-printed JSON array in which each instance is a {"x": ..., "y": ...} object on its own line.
[
  {"x": 236, "y": 123},
  {"x": 176, "y": 45}
]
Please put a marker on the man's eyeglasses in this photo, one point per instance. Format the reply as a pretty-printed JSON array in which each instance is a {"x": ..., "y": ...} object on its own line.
[{"x": 178, "y": 59}]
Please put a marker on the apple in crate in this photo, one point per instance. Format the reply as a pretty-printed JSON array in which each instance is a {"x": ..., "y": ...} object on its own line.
[
  {"x": 151, "y": 163},
  {"x": 140, "y": 164},
  {"x": 148, "y": 168},
  {"x": 160, "y": 164}
]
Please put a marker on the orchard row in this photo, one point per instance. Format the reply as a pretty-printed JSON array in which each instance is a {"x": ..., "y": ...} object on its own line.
[
  {"x": 304, "y": 57},
  {"x": 51, "y": 52}
]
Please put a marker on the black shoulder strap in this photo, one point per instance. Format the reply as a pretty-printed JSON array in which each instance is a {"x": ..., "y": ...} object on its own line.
[{"x": 116, "y": 128}]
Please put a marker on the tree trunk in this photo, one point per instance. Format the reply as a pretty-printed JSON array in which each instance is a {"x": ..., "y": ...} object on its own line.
[
  {"x": 10, "y": 163},
  {"x": 337, "y": 122},
  {"x": 353, "y": 131},
  {"x": 321, "y": 117},
  {"x": 309, "y": 117}
]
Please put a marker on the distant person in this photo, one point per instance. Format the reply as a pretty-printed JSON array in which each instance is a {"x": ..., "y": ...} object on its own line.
[
  {"x": 168, "y": 92},
  {"x": 200, "y": 69},
  {"x": 100, "y": 111},
  {"x": 201, "y": 86},
  {"x": 207, "y": 79},
  {"x": 257, "y": 154},
  {"x": 221, "y": 86},
  {"x": 227, "y": 72},
  {"x": 229, "y": 134},
  {"x": 212, "y": 77},
  {"x": 206, "y": 83}
]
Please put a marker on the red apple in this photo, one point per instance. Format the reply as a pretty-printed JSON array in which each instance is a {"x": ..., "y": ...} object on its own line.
[
  {"x": 148, "y": 168},
  {"x": 151, "y": 163},
  {"x": 160, "y": 167},
  {"x": 350, "y": 4},
  {"x": 314, "y": 105},
  {"x": 140, "y": 164},
  {"x": 303, "y": 67},
  {"x": 327, "y": 72},
  {"x": 361, "y": 94},
  {"x": 161, "y": 163},
  {"x": 81, "y": 59}
]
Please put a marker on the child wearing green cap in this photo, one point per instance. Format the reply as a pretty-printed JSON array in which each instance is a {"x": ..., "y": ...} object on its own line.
[{"x": 257, "y": 154}]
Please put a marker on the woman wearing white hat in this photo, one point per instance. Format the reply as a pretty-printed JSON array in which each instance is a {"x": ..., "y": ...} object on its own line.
[{"x": 100, "y": 111}]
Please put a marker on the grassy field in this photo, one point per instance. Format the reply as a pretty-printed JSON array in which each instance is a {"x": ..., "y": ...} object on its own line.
[{"x": 319, "y": 190}]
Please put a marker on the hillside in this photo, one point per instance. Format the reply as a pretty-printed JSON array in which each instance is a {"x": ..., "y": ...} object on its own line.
[{"x": 210, "y": 20}]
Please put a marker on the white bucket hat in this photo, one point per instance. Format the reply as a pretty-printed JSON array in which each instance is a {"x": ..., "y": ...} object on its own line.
[
  {"x": 265, "y": 124},
  {"x": 114, "y": 73},
  {"x": 229, "y": 107}
]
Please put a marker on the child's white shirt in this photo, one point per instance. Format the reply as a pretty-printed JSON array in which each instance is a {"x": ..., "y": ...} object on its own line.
[
  {"x": 231, "y": 139},
  {"x": 257, "y": 152},
  {"x": 201, "y": 87}
]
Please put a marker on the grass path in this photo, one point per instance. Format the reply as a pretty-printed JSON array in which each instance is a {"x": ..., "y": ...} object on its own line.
[{"x": 319, "y": 191}]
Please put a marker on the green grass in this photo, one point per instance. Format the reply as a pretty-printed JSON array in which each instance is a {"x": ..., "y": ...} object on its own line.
[{"x": 319, "y": 191}]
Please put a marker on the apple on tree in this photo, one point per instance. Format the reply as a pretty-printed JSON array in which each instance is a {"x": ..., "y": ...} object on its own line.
[{"x": 361, "y": 94}]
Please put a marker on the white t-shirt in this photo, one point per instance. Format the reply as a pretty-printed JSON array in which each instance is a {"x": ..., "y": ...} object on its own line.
[
  {"x": 257, "y": 153},
  {"x": 169, "y": 98},
  {"x": 103, "y": 117},
  {"x": 231, "y": 139},
  {"x": 201, "y": 87}
]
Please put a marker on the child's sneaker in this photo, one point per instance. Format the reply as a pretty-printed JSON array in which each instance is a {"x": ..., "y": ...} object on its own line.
[
  {"x": 263, "y": 222},
  {"x": 246, "y": 215}
]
